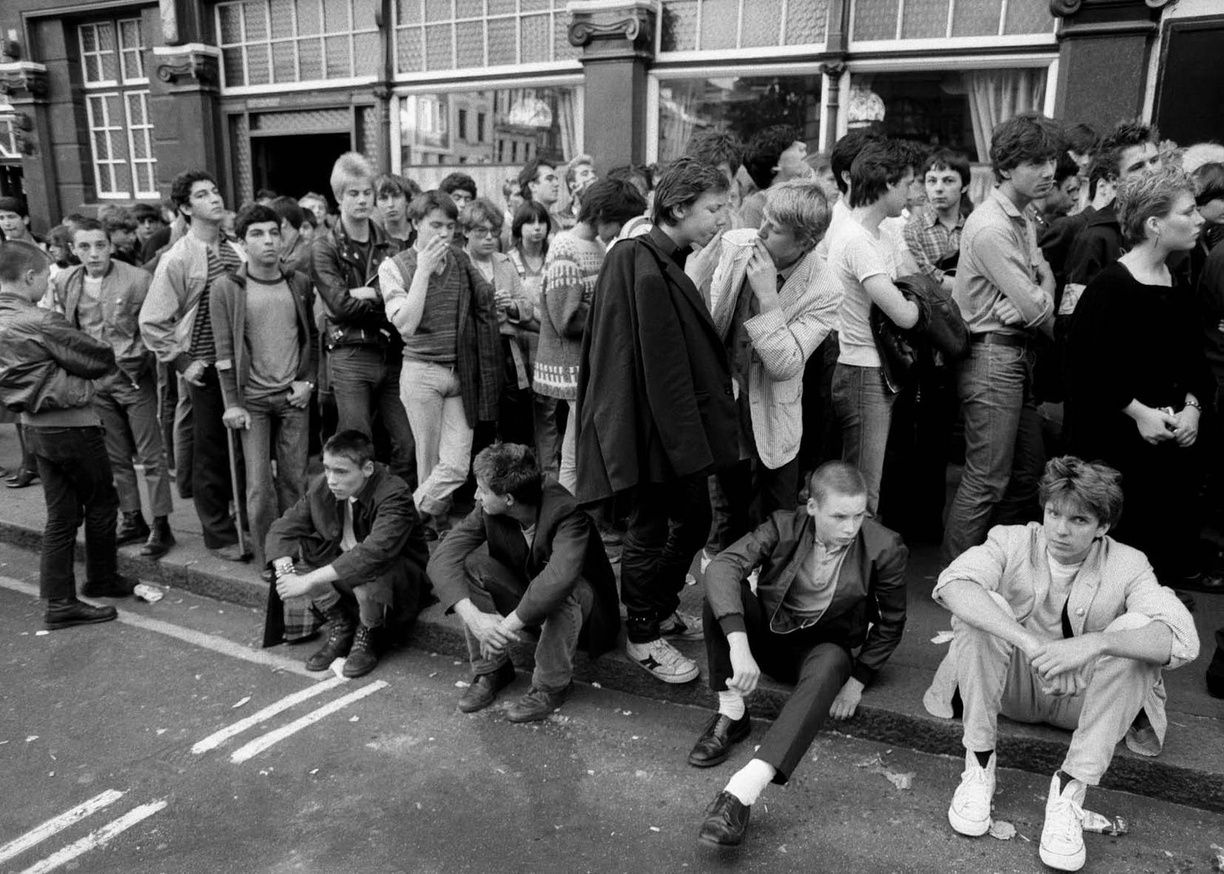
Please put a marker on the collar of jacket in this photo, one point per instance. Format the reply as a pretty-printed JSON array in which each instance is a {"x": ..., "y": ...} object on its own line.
[
  {"x": 667, "y": 246},
  {"x": 240, "y": 275},
  {"x": 365, "y": 497},
  {"x": 347, "y": 249},
  {"x": 1105, "y": 216}
]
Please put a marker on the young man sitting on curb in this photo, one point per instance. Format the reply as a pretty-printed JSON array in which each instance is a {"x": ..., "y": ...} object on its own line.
[
  {"x": 1055, "y": 622},
  {"x": 358, "y": 535},
  {"x": 545, "y": 566},
  {"x": 831, "y": 580}
]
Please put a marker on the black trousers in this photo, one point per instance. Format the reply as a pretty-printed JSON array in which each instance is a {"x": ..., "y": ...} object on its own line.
[
  {"x": 668, "y": 524},
  {"x": 77, "y": 486},
  {"x": 749, "y": 493},
  {"x": 817, "y": 667},
  {"x": 210, "y": 464}
]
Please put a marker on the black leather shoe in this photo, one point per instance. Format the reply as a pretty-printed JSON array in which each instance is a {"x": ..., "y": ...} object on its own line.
[
  {"x": 361, "y": 658},
  {"x": 341, "y": 629},
  {"x": 118, "y": 586},
  {"x": 21, "y": 479},
  {"x": 65, "y": 614},
  {"x": 132, "y": 529},
  {"x": 161, "y": 538},
  {"x": 484, "y": 689},
  {"x": 715, "y": 743},
  {"x": 536, "y": 705},
  {"x": 726, "y": 821}
]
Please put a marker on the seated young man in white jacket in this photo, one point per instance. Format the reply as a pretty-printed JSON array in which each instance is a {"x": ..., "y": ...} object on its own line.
[
  {"x": 1058, "y": 623},
  {"x": 773, "y": 301}
]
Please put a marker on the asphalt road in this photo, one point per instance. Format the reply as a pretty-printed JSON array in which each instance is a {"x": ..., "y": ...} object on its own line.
[{"x": 149, "y": 746}]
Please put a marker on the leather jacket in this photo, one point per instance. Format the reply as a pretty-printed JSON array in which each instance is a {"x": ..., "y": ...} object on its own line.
[{"x": 338, "y": 267}]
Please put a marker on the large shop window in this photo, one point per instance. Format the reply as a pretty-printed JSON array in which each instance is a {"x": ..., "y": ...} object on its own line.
[
  {"x": 714, "y": 25},
  {"x": 741, "y": 105},
  {"x": 117, "y": 105},
  {"x": 474, "y": 34},
  {"x": 942, "y": 19},
  {"x": 270, "y": 42}
]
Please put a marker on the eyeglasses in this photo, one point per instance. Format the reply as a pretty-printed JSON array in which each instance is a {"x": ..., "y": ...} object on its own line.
[{"x": 480, "y": 233}]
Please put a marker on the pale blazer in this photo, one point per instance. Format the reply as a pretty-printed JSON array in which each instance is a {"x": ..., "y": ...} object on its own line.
[
  {"x": 782, "y": 340},
  {"x": 1115, "y": 579}
]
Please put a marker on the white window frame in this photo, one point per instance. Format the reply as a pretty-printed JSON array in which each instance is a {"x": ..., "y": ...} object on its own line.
[
  {"x": 122, "y": 89},
  {"x": 948, "y": 42},
  {"x": 781, "y": 50}
]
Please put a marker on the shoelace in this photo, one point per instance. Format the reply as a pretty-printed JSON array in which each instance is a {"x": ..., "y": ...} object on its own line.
[
  {"x": 665, "y": 654},
  {"x": 1068, "y": 818}
]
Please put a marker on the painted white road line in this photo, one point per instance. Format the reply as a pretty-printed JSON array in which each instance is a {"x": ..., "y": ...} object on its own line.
[
  {"x": 189, "y": 635},
  {"x": 97, "y": 838},
  {"x": 68, "y": 818},
  {"x": 263, "y": 742},
  {"x": 217, "y": 738}
]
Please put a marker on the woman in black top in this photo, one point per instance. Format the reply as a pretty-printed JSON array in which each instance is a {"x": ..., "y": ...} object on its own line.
[{"x": 1137, "y": 377}]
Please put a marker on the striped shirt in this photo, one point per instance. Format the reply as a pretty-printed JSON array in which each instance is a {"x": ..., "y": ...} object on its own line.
[{"x": 223, "y": 262}]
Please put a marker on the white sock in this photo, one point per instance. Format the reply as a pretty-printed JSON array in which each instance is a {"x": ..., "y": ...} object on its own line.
[
  {"x": 731, "y": 705},
  {"x": 748, "y": 782}
]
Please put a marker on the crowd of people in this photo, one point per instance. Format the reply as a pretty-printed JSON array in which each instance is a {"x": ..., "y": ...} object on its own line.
[{"x": 755, "y": 357}]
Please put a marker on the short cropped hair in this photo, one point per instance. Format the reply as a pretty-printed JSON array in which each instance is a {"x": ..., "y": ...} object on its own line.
[
  {"x": 482, "y": 210},
  {"x": 799, "y": 205},
  {"x": 1029, "y": 137},
  {"x": 1125, "y": 135},
  {"x": 1065, "y": 167},
  {"x": 510, "y": 469},
  {"x": 611, "y": 200},
  {"x": 145, "y": 212},
  {"x": 1081, "y": 138},
  {"x": 351, "y": 444},
  {"x": 684, "y": 180},
  {"x": 765, "y": 149},
  {"x": 253, "y": 214},
  {"x": 529, "y": 211},
  {"x": 350, "y": 167},
  {"x": 1142, "y": 196},
  {"x": 717, "y": 147},
  {"x": 846, "y": 150},
  {"x": 948, "y": 159},
  {"x": 287, "y": 209},
  {"x": 180, "y": 188},
  {"x": 878, "y": 166},
  {"x": 87, "y": 224},
  {"x": 836, "y": 477},
  {"x": 1090, "y": 486},
  {"x": 1208, "y": 183},
  {"x": 14, "y": 204},
  {"x": 427, "y": 201},
  {"x": 529, "y": 173},
  {"x": 457, "y": 182},
  {"x": 390, "y": 185},
  {"x": 118, "y": 219},
  {"x": 18, "y": 256}
]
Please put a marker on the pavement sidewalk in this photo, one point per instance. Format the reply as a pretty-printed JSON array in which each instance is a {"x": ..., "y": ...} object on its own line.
[{"x": 1190, "y": 770}]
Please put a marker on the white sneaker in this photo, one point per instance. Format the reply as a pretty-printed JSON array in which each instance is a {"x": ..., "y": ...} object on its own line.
[
  {"x": 663, "y": 660},
  {"x": 685, "y": 626},
  {"x": 969, "y": 812},
  {"x": 1062, "y": 836}
]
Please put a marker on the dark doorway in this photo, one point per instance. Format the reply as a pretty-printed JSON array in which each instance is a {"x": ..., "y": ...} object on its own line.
[
  {"x": 1190, "y": 99},
  {"x": 294, "y": 165}
]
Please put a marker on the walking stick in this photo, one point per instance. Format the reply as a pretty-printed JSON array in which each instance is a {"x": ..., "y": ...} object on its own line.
[{"x": 229, "y": 444}]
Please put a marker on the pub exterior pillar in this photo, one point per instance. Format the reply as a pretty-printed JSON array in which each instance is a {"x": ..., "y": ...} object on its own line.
[
  {"x": 25, "y": 85},
  {"x": 183, "y": 107}
]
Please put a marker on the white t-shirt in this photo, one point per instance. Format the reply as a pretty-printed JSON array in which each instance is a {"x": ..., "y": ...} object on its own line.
[
  {"x": 1048, "y": 605},
  {"x": 347, "y": 538},
  {"x": 855, "y": 255}
]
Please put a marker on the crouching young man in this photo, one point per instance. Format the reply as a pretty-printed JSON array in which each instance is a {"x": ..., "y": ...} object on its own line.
[
  {"x": 1058, "y": 623},
  {"x": 545, "y": 566},
  {"x": 827, "y": 573},
  {"x": 362, "y": 557}
]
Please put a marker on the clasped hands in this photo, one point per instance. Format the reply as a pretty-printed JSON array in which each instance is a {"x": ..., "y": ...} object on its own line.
[
  {"x": 494, "y": 631},
  {"x": 1061, "y": 665}
]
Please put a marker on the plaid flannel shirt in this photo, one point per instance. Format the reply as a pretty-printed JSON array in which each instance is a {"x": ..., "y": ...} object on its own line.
[{"x": 930, "y": 240}]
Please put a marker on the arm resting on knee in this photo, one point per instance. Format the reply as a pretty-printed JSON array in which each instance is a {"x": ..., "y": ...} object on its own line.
[
  {"x": 973, "y": 605},
  {"x": 1151, "y": 643}
]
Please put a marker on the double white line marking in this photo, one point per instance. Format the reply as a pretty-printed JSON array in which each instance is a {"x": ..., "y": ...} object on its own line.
[
  {"x": 263, "y": 742},
  {"x": 70, "y": 818}
]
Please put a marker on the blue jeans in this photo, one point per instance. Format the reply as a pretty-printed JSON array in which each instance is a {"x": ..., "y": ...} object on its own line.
[
  {"x": 129, "y": 415},
  {"x": 863, "y": 406},
  {"x": 1004, "y": 454},
  {"x": 365, "y": 379},
  {"x": 277, "y": 431},
  {"x": 77, "y": 484}
]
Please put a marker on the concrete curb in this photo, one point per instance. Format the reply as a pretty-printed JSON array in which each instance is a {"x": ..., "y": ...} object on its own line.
[{"x": 1028, "y": 748}]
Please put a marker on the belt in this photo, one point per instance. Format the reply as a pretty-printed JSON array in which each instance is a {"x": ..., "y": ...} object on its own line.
[{"x": 993, "y": 338}]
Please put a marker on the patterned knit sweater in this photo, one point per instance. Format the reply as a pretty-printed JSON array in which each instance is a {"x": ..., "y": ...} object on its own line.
[{"x": 570, "y": 273}]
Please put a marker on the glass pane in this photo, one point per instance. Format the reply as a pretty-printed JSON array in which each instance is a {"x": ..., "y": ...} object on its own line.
[
  {"x": 562, "y": 50},
  {"x": 762, "y": 23},
  {"x": 256, "y": 17},
  {"x": 502, "y": 7},
  {"x": 117, "y": 137},
  {"x": 307, "y": 17},
  {"x": 110, "y": 59},
  {"x": 805, "y": 23},
  {"x": 135, "y": 109},
  {"x": 92, "y": 68},
  {"x": 363, "y": 14},
  {"x": 339, "y": 63},
  {"x": 368, "y": 54},
  {"x": 282, "y": 18},
  {"x": 257, "y": 65},
  {"x": 877, "y": 19},
  {"x": 469, "y": 44},
  {"x": 408, "y": 11},
  {"x": 439, "y": 10},
  {"x": 438, "y": 47},
  {"x": 283, "y": 61},
  {"x": 335, "y": 16},
  {"x": 234, "y": 73},
  {"x": 144, "y": 178},
  {"x": 101, "y": 152},
  {"x": 924, "y": 18},
  {"x": 680, "y": 26},
  {"x": 469, "y": 8},
  {"x": 231, "y": 23},
  {"x": 89, "y": 38},
  {"x": 122, "y": 178},
  {"x": 718, "y": 23},
  {"x": 129, "y": 34},
  {"x": 533, "y": 5},
  {"x": 310, "y": 59},
  {"x": 503, "y": 42},
  {"x": 409, "y": 56},
  {"x": 1029, "y": 16},
  {"x": 536, "y": 37},
  {"x": 929, "y": 107},
  {"x": 106, "y": 37},
  {"x": 980, "y": 18}
]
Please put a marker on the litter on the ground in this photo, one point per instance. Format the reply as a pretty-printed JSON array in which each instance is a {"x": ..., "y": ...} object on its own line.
[
  {"x": 1103, "y": 825},
  {"x": 942, "y": 637},
  {"x": 903, "y": 780},
  {"x": 1003, "y": 831},
  {"x": 462, "y": 684},
  {"x": 151, "y": 594},
  {"x": 1217, "y": 864},
  {"x": 240, "y": 702}
]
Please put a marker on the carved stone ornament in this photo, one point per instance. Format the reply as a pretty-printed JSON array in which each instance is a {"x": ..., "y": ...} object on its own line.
[
  {"x": 1065, "y": 8},
  {"x": 833, "y": 70},
  {"x": 23, "y": 81},
  {"x": 188, "y": 65},
  {"x": 627, "y": 21}
]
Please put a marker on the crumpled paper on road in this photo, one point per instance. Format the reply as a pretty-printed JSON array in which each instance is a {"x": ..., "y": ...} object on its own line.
[{"x": 875, "y": 764}]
